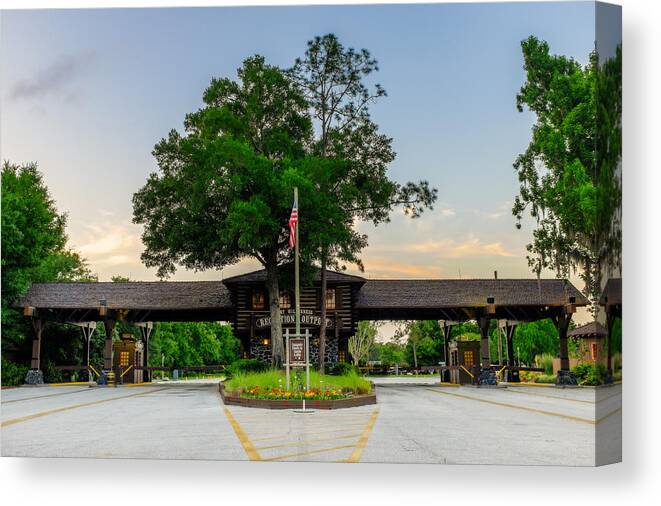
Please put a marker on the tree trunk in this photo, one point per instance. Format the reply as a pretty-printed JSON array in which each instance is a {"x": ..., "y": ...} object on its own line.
[
  {"x": 322, "y": 326},
  {"x": 277, "y": 345}
]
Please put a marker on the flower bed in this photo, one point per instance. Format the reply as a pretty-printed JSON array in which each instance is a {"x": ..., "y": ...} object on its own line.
[
  {"x": 266, "y": 389},
  {"x": 230, "y": 398}
]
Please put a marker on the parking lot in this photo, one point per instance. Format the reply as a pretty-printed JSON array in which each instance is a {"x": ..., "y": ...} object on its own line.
[{"x": 414, "y": 421}]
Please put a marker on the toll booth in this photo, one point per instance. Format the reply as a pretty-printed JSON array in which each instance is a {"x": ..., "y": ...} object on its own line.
[
  {"x": 466, "y": 356},
  {"x": 128, "y": 353}
]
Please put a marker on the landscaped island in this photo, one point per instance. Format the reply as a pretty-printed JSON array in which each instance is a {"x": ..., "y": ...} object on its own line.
[{"x": 268, "y": 389}]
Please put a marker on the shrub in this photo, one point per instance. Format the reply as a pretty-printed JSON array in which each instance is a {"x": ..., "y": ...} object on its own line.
[
  {"x": 617, "y": 376},
  {"x": 545, "y": 378},
  {"x": 590, "y": 374},
  {"x": 343, "y": 369},
  {"x": 528, "y": 376},
  {"x": 545, "y": 361},
  {"x": 617, "y": 362},
  {"x": 12, "y": 374},
  {"x": 246, "y": 366}
]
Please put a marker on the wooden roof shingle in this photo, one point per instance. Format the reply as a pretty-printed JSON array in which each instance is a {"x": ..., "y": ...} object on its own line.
[
  {"x": 450, "y": 293},
  {"x": 154, "y": 295}
]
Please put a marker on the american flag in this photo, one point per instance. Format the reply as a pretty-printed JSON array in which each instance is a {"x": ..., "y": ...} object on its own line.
[{"x": 293, "y": 222}]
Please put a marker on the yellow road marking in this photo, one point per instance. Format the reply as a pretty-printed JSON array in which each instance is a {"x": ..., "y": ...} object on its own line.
[
  {"x": 548, "y": 396},
  {"x": 307, "y": 441},
  {"x": 358, "y": 450},
  {"x": 312, "y": 452},
  {"x": 522, "y": 408},
  {"x": 243, "y": 437},
  {"x": 50, "y": 395},
  {"x": 68, "y": 384},
  {"x": 609, "y": 414},
  {"x": 14, "y": 421},
  {"x": 288, "y": 434},
  {"x": 539, "y": 385}
]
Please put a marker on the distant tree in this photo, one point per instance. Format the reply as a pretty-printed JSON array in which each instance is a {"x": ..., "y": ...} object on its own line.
[
  {"x": 350, "y": 157},
  {"x": 535, "y": 338},
  {"x": 362, "y": 341},
  {"x": 568, "y": 175},
  {"x": 424, "y": 341},
  {"x": 224, "y": 189}
]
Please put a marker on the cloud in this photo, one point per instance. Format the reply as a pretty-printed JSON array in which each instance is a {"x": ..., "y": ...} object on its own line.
[
  {"x": 380, "y": 267},
  {"x": 56, "y": 78},
  {"x": 471, "y": 247},
  {"x": 112, "y": 245}
]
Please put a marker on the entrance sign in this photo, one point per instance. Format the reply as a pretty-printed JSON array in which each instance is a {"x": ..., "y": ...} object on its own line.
[
  {"x": 297, "y": 351},
  {"x": 306, "y": 318}
]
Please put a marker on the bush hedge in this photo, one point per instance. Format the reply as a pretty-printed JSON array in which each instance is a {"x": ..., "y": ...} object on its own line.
[
  {"x": 590, "y": 374},
  {"x": 246, "y": 366},
  {"x": 12, "y": 374},
  {"x": 343, "y": 369}
]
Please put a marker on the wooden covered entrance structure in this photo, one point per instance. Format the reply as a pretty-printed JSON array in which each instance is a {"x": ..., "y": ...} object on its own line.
[{"x": 239, "y": 301}]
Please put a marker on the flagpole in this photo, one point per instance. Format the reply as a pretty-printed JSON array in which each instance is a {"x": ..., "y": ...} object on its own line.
[{"x": 297, "y": 291}]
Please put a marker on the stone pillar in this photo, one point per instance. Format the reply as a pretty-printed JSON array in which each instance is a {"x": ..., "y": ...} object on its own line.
[
  {"x": 35, "y": 376},
  {"x": 565, "y": 376},
  {"x": 487, "y": 374}
]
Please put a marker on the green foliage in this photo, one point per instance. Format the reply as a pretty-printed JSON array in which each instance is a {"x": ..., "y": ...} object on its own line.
[
  {"x": 545, "y": 361},
  {"x": 343, "y": 369},
  {"x": 389, "y": 353},
  {"x": 245, "y": 366},
  {"x": 12, "y": 374},
  {"x": 545, "y": 378},
  {"x": 188, "y": 344},
  {"x": 51, "y": 375},
  {"x": 617, "y": 361},
  {"x": 362, "y": 341},
  {"x": 535, "y": 338},
  {"x": 590, "y": 374},
  {"x": 568, "y": 174}
]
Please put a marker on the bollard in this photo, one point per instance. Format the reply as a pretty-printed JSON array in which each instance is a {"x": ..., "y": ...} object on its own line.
[{"x": 111, "y": 379}]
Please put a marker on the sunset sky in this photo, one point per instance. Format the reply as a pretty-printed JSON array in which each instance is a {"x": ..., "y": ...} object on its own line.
[{"x": 87, "y": 93}]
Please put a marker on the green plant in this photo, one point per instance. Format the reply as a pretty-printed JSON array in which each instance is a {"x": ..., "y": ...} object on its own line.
[
  {"x": 590, "y": 374},
  {"x": 246, "y": 365},
  {"x": 617, "y": 362},
  {"x": 342, "y": 369},
  {"x": 545, "y": 360},
  {"x": 545, "y": 378},
  {"x": 51, "y": 375},
  {"x": 12, "y": 374}
]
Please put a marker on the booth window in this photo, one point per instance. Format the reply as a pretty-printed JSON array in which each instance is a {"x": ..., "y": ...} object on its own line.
[
  {"x": 285, "y": 300},
  {"x": 468, "y": 359},
  {"x": 330, "y": 298},
  {"x": 123, "y": 358},
  {"x": 258, "y": 299},
  {"x": 342, "y": 356},
  {"x": 593, "y": 351}
]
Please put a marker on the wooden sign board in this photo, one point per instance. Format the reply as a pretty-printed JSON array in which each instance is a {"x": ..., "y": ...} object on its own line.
[{"x": 296, "y": 351}]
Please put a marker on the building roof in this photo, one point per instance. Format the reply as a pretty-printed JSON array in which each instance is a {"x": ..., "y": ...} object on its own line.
[
  {"x": 260, "y": 276},
  {"x": 612, "y": 293},
  {"x": 592, "y": 329},
  {"x": 451, "y": 293},
  {"x": 154, "y": 295}
]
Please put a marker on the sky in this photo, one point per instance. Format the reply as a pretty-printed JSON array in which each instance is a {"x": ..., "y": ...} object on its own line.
[{"x": 88, "y": 93}]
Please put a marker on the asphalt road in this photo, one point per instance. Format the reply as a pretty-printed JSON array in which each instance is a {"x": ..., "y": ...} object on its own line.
[{"x": 414, "y": 422}]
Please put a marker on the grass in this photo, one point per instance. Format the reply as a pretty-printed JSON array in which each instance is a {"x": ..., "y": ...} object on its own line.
[{"x": 351, "y": 384}]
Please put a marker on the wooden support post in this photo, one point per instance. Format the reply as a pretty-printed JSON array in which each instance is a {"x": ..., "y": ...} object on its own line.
[
  {"x": 512, "y": 376},
  {"x": 447, "y": 333},
  {"x": 38, "y": 327},
  {"x": 145, "y": 332},
  {"x": 483, "y": 323},
  {"x": 109, "y": 326},
  {"x": 610, "y": 321},
  {"x": 564, "y": 377},
  {"x": 487, "y": 373}
]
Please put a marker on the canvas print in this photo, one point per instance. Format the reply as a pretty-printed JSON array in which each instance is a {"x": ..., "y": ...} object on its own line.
[{"x": 367, "y": 233}]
